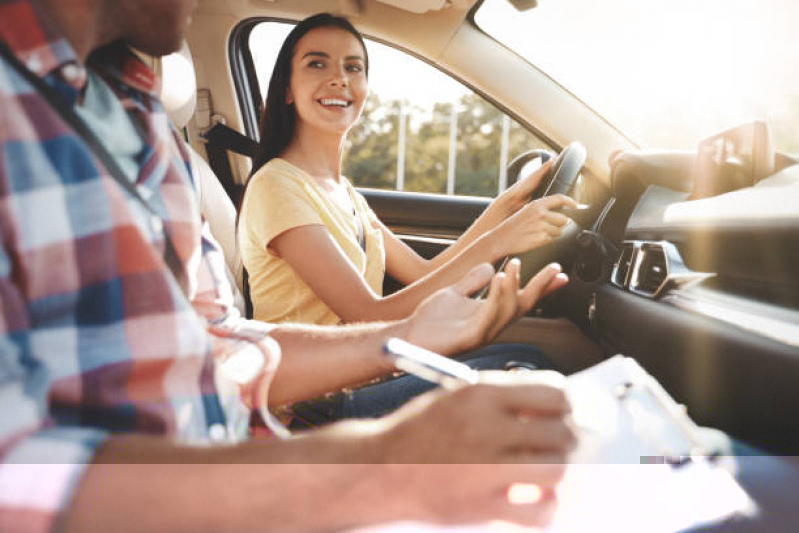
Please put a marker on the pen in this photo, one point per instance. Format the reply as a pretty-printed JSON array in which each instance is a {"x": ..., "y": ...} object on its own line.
[{"x": 428, "y": 365}]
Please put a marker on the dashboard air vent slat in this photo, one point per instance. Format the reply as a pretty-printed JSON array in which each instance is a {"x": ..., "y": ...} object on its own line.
[
  {"x": 623, "y": 265},
  {"x": 652, "y": 270}
]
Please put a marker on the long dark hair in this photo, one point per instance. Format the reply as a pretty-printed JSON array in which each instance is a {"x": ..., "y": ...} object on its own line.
[{"x": 278, "y": 119}]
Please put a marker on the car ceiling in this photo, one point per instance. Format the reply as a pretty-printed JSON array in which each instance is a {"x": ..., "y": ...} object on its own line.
[{"x": 426, "y": 33}]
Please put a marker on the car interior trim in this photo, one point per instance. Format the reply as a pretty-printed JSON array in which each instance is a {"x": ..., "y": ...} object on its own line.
[
  {"x": 649, "y": 268},
  {"x": 778, "y": 324}
]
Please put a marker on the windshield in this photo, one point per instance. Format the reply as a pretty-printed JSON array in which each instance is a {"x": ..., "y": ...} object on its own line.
[{"x": 666, "y": 73}]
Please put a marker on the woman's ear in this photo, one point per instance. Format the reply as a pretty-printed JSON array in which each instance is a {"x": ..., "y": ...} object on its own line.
[{"x": 289, "y": 99}]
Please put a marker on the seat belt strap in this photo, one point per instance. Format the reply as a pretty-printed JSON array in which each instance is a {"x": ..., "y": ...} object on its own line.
[
  {"x": 219, "y": 139},
  {"x": 226, "y": 137}
]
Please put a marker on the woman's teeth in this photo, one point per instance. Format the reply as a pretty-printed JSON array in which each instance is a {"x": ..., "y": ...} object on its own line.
[{"x": 334, "y": 102}]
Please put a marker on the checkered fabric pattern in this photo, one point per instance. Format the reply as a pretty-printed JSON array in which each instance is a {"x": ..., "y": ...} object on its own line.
[{"x": 97, "y": 335}]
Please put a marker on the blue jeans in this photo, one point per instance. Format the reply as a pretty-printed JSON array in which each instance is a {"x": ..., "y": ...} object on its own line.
[{"x": 373, "y": 401}]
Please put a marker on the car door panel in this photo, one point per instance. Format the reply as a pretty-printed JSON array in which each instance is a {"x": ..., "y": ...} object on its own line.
[{"x": 425, "y": 214}]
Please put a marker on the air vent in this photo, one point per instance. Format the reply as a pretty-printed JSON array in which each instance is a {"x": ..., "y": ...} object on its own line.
[
  {"x": 652, "y": 268},
  {"x": 623, "y": 265},
  {"x": 651, "y": 272}
]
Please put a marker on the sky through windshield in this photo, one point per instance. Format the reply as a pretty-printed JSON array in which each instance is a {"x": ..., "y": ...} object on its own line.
[{"x": 666, "y": 73}]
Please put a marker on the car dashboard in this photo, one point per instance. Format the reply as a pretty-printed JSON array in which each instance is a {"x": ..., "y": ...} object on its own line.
[{"x": 695, "y": 277}]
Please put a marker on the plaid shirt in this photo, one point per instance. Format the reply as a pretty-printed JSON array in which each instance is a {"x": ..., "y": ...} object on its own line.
[{"x": 96, "y": 333}]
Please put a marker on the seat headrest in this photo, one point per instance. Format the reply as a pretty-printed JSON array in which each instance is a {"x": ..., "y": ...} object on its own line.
[{"x": 178, "y": 85}]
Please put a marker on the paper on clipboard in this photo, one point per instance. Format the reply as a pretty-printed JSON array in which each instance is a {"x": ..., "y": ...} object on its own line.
[
  {"x": 624, "y": 416},
  {"x": 641, "y": 463}
]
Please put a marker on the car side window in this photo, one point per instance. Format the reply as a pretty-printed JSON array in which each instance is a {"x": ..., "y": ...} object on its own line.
[{"x": 421, "y": 130}]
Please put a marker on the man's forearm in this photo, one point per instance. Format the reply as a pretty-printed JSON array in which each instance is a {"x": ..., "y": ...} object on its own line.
[
  {"x": 318, "y": 359},
  {"x": 146, "y": 484}
]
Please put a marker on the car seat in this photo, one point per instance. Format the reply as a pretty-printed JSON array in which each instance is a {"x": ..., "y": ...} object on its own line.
[{"x": 179, "y": 95}]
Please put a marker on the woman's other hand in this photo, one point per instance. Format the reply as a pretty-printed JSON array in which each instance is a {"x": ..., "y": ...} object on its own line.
[{"x": 450, "y": 322}]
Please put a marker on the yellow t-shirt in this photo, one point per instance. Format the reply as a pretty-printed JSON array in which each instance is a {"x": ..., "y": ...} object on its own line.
[{"x": 281, "y": 197}]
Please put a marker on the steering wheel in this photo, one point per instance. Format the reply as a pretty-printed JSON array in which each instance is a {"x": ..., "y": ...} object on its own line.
[
  {"x": 560, "y": 180},
  {"x": 564, "y": 172}
]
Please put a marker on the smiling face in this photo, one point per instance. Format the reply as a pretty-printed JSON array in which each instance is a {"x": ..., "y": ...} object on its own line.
[{"x": 328, "y": 84}]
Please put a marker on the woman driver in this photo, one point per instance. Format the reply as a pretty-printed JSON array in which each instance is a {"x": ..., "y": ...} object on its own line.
[{"x": 314, "y": 250}]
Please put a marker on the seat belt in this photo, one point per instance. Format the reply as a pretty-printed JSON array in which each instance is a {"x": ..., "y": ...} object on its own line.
[
  {"x": 219, "y": 140},
  {"x": 228, "y": 138}
]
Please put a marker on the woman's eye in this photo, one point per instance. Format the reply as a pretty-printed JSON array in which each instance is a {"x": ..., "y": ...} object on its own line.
[
  {"x": 316, "y": 64},
  {"x": 354, "y": 68}
]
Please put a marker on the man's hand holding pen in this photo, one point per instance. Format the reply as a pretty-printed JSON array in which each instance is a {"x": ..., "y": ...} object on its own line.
[{"x": 511, "y": 428}]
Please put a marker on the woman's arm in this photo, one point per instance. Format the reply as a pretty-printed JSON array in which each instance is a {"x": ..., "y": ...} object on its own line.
[
  {"x": 502, "y": 207},
  {"x": 319, "y": 262},
  {"x": 532, "y": 226},
  {"x": 406, "y": 266},
  {"x": 317, "y": 359},
  {"x": 317, "y": 259}
]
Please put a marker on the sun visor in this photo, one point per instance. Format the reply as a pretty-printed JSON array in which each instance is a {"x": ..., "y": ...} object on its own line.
[{"x": 419, "y": 6}]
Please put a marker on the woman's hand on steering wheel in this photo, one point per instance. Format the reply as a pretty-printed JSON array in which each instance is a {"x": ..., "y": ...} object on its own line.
[
  {"x": 515, "y": 197},
  {"x": 532, "y": 226}
]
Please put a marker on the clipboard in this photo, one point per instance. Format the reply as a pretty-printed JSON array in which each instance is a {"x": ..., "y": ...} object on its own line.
[
  {"x": 641, "y": 463},
  {"x": 624, "y": 416}
]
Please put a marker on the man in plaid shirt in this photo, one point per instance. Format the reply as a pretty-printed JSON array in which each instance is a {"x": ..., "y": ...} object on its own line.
[{"x": 122, "y": 371}]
